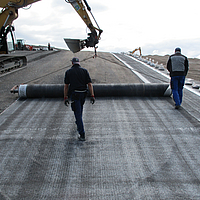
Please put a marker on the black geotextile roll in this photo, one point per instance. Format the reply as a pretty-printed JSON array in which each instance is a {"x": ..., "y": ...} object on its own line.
[
  {"x": 100, "y": 90},
  {"x": 46, "y": 91},
  {"x": 130, "y": 90}
]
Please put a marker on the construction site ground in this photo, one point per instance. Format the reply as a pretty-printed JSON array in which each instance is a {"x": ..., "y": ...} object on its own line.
[
  {"x": 48, "y": 67},
  {"x": 135, "y": 148}
]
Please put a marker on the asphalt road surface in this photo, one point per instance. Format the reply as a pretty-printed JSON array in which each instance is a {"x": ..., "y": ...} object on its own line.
[{"x": 135, "y": 148}]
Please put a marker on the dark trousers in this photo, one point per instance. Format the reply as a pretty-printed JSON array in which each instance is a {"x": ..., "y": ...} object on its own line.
[
  {"x": 177, "y": 83},
  {"x": 78, "y": 100}
]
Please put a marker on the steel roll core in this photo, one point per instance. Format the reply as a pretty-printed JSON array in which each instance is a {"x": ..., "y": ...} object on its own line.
[{"x": 100, "y": 90}]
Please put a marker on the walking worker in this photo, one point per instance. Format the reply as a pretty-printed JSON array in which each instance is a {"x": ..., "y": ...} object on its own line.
[
  {"x": 76, "y": 81},
  {"x": 178, "y": 67}
]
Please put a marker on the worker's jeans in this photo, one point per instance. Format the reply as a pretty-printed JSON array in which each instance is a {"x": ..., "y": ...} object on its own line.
[
  {"x": 78, "y": 100},
  {"x": 177, "y": 83}
]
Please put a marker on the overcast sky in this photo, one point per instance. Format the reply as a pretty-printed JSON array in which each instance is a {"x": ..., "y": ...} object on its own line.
[{"x": 154, "y": 25}]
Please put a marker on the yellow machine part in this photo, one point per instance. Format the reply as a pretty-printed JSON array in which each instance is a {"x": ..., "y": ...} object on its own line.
[
  {"x": 5, "y": 14},
  {"x": 81, "y": 10},
  {"x": 24, "y": 3}
]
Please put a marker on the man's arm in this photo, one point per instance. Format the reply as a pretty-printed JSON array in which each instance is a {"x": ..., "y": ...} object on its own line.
[
  {"x": 169, "y": 67},
  {"x": 186, "y": 66},
  {"x": 66, "y": 88},
  {"x": 90, "y": 87}
]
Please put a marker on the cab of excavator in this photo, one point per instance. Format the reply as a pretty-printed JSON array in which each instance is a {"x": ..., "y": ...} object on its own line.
[
  {"x": 7, "y": 43},
  {"x": 10, "y": 42}
]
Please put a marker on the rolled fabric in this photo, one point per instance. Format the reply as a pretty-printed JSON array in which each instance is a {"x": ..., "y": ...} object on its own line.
[{"x": 100, "y": 90}]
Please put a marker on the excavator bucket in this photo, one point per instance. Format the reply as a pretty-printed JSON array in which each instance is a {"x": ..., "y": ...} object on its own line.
[{"x": 75, "y": 45}]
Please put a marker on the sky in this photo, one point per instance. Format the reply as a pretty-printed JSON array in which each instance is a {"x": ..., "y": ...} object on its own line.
[{"x": 158, "y": 27}]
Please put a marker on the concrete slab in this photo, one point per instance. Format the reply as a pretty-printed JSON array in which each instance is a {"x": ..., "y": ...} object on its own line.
[{"x": 136, "y": 148}]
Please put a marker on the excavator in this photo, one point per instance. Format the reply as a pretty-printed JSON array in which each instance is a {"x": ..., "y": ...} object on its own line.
[
  {"x": 9, "y": 13},
  {"x": 137, "y": 49}
]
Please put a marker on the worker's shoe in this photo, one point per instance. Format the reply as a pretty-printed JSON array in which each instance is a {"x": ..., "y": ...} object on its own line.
[
  {"x": 177, "y": 106},
  {"x": 81, "y": 138}
]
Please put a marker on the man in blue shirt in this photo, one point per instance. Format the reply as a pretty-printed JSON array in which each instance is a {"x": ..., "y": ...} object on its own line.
[
  {"x": 76, "y": 81},
  {"x": 178, "y": 67}
]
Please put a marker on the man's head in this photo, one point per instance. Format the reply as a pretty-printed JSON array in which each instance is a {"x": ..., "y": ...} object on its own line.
[
  {"x": 178, "y": 50},
  {"x": 75, "y": 61}
]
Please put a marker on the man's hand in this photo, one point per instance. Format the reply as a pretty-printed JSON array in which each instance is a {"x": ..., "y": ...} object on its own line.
[
  {"x": 92, "y": 99},
  {"x": 66, "y": 101}
]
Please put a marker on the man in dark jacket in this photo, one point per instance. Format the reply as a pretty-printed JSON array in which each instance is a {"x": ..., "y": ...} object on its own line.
[
  {"x": 76, "y": 81},
  {"x": 178, "y": 67}
]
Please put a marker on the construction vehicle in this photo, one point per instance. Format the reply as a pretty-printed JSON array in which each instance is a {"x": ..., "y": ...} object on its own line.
[
  {"x": 9, "y": 13},
  {"x": 137, "y": 49},
  {"x": 20, "y": 45}
]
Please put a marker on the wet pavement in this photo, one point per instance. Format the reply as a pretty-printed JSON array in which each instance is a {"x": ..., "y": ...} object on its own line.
[{"x": 135, "y": 148}]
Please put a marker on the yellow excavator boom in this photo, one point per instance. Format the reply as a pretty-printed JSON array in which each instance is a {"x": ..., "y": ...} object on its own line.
[
  {"x": 16, "y": 3},
  {"x": 10, "y": 10},
  {"x": 9, "y": 13},
  {"x": 76, "y": 45},
  {"x": 137, "y": 49}
]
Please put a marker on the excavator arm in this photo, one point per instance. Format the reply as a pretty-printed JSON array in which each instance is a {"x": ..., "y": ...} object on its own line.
[
  {"x": 76, "y": 45},
  {"x": 17, "y": 3},
  {"x": 10, "y": 12},
  {"x": 137, "y": 49},
  {"x": 80, "y": 9}
]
